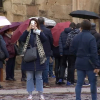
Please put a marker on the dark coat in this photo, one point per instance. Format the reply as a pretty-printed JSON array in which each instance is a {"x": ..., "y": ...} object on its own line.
[
  {"x": 10, "y": 46},
  {"x": 34, "y": 65},
  {"x": 4, "y": 49},
  {"x": 62, "y": 42},
  {"x": 56, "y": 51},
  {"x": 84, "y": 46},
  {"x": 49, "y": 43}
]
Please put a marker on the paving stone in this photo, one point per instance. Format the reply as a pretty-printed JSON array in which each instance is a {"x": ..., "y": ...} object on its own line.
[{"x": 48, "y": 97}]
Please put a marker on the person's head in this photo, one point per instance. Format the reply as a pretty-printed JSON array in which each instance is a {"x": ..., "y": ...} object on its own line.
[
  {"x": 9, "y": 31},
  {"x": 85, "y": 25},
  {"x": 41, "y": 20},
  {"x": 34, "y": 22},
  {"x": 78, "y": 25},
  {"x": 72, "y": 25}
]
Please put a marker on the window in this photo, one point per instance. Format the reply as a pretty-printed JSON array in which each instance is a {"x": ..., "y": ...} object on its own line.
[{"x": 1, "y": 3}]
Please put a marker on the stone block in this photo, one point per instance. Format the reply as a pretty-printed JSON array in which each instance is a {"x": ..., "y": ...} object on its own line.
[
  {"x": 39, "y": 2},
  {"x": 42, "y": 13},
  {"x": 52, "y": 2},
  {"x": 27, "y": 1},
  {"x": 6, "y": 7},
  {"x": 17, "y": 1},
  {"x": 32, "y": 11},
  {"x": 50, "y": 13},
  {"x": 10, "y": 16},
  {"x": 62, "y": 11},
  {"x": 64, "y": 2},
  {"x": 18, "y": 18},
  {"x": 19, "y": 9}
]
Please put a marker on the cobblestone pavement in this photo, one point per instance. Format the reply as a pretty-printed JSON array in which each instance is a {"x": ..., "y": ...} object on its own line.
[
  {"x": 18, "y": 84},
  {"x": 48, "y": 97}
]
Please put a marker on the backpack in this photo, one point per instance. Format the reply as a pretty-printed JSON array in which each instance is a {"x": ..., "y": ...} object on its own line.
[{"x": 70, "y": 37}]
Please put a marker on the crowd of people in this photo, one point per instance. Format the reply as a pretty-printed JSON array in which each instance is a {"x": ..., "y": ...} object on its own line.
[{"x": 79, "y": 48}]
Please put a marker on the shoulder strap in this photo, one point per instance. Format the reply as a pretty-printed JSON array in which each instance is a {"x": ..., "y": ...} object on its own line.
[{"x": 27, "y": 41}]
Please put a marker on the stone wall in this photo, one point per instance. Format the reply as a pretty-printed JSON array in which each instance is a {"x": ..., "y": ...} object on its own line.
[
  {"x": 19, "y": 10},
  {"x": 58, "y": 10}
]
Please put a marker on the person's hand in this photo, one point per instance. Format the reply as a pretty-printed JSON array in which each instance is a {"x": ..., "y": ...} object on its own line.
[
  {"x": 30, "y": 27},
  {"x": 6, "y": 59},
  {"x": 96, "y": 71},
  {"x": 35, "y": 28}
]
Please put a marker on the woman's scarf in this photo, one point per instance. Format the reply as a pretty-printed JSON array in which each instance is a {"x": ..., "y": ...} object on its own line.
[
  {"x": 40, "y": 50},
  {"x": 39, "y": 46}
]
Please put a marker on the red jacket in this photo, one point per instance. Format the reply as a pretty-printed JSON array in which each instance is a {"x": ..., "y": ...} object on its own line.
[{"x": 10, "y": 46}]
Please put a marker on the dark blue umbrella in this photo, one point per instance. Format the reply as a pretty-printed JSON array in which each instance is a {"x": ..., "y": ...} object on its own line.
[
  {"x": 84, "y": 14},
  {"x": 13, "y": 26}
]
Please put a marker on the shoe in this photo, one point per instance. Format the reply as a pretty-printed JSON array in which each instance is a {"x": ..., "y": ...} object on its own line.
[
  {"x": 1, "y": 87},
  {"x": 46, "y": 85},
  {"x": 69, "y": 83},
  {"x": 41, "y": 97},
  {"x": 60, "y": 81},
  {"x": 30, "y": 97},
  {"x": 23, "y": 79},
  {"x": 14, "y": 79},
  {"x": 52, "y": 76},
  {"x": 9, "y": 79},
  {"x": 86, "y": 84}
]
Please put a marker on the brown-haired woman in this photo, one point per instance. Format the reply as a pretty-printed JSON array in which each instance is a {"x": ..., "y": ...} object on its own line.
[{"x": 36, "y": 67}]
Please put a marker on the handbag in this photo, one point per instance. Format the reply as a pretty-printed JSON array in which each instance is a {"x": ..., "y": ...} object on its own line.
[
  {"x": 2, "y": 54},
  {"x": 31, "y": 53}
]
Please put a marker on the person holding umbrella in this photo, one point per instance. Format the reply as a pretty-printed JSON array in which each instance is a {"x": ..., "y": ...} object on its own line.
[
  {"x": 10, "y": 64},
  {"x": 35, "y": 67},
  {"x": 87, "y": 63}
]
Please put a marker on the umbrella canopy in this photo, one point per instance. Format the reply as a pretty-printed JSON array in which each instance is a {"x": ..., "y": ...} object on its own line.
[
  {"x": 48, "y": 22},
  {"x": 84, "y": 14},
  {"x": 4, "y": 21},
  {"x": 19, "y": 31},
  {"x": 13, "y": 26},
  {"x": 56, "y": 31}
]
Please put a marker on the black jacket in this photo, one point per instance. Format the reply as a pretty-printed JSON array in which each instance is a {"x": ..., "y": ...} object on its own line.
[{"x": 49, "y": 43}]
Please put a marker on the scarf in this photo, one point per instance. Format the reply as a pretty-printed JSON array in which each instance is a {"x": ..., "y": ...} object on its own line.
[
  {"x": 40, "y": 50},
  {"x": 39, "y": 47}
]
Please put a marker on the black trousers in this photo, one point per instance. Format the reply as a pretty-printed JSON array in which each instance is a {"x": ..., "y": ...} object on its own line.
[
  {"x": 23, "y": 74},
  {"x": 10, "y": 65},
  {"x": 69, "y": 62},
  {"x": 59, "y": 70}
]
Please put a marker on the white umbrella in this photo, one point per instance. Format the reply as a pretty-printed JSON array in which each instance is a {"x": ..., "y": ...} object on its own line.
[
  {"x": 48, "y": 22},
  {"x": 4, "y": 21}
]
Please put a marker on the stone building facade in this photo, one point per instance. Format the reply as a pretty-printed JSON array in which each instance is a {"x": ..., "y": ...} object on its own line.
[{"x": 58, "y": 10}]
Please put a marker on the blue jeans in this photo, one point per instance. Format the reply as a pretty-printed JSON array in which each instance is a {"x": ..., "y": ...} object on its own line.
[
  {"x": 92, "y": 80},
  {"x": 30, "y": 81},
  {"x": 46, "y": 71}
]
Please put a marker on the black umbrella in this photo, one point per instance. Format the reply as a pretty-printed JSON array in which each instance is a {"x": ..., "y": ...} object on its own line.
[{"x": 84, "y": 14}]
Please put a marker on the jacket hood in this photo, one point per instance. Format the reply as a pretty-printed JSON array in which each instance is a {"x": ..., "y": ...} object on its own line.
[{"x": 67, "y": 30}]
